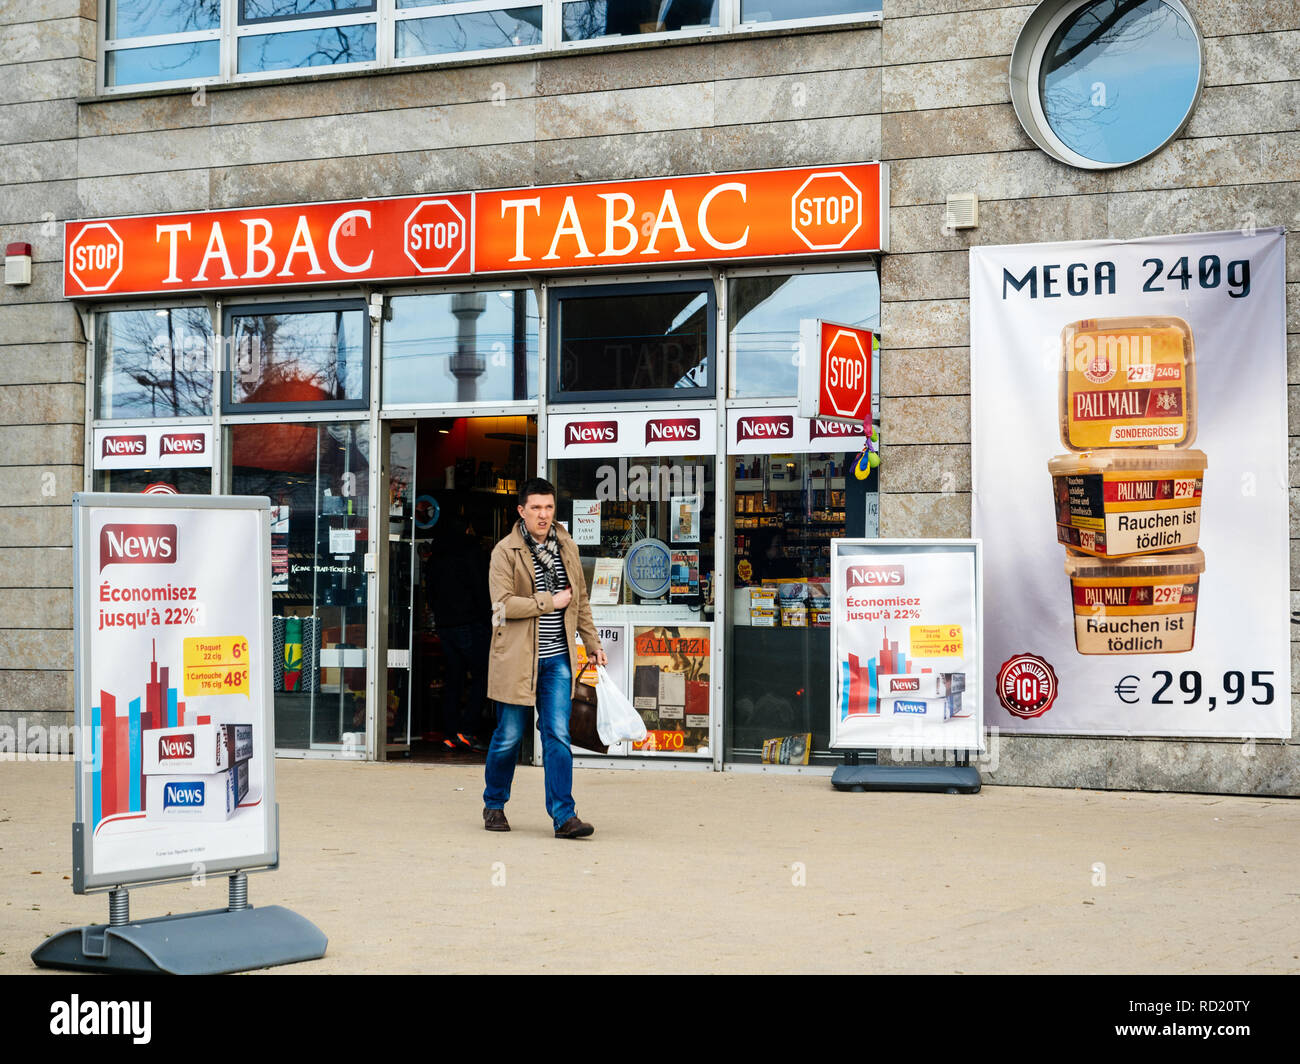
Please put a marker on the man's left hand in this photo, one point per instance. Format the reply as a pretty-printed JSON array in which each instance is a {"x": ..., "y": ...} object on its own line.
[{"x": 601, "y": 658}]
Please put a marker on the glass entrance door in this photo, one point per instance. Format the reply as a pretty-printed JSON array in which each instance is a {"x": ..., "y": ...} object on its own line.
[{"x": 452, "y": 494}]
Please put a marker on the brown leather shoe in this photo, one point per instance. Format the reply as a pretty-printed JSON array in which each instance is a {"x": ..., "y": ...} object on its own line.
[
  {"x": 495, "y": 820},
  {"x": 573, "y": 828}
]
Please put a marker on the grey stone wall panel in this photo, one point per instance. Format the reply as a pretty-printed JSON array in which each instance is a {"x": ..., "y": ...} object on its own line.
[
  {"x": 32, "y": 205},
  {"x": 35, "y": 567},
  {"x": 158, "y": 193},
  {"x": 111, "y": 116},
  {"x": 36, "y": 526},
  {"x": 937, "y": 275},
  {"x": 1200, "y": 210},
  {"x": 47, "y": 277},
  {"x": 50, "y": 79},
  {"x": 1188, "y": 163},
  {"x": 42, "y": 445},
  {"x": 641, "y": 110},
  {"x": 941, "y": 419},
  {"x": 924, "y": 516},
  {"x": 1221, "y": 17},
  {"x": 15, "y": 11},
  {"x": 36, "y": 323},
  {"x": 26, "y": 485},
  {"x": 408, "y": 173},
  {"x": 674, "y": 151},
  {"x": 814, "y": 142},
  {"x": 39, "y": 122},
  {"x": 924, "y": 371},
  {"x": 927, "y": 468},
  {"x": 63, "y": 38},
  {"x": 1251, "y": 58},
  {"x": 956, "y": 83},
  {"x": 42, "y": 363},
  {"x": 37, "y": 691},
  {"x": 360, "y": 136},
  {"x": 926, "y": 323},
  {"x": 796, "y": 97},
  {"x": 32, "y": 163},
  {"x": 143, "y": 153},
  {"x": 895, "y": 9},
  {"x": 26, "y": 404},
  {"x": 36, "y": 648},
  {"x": 1246, "y": 109},
  {"x": 1054, "y": 218},
  {"x": 995, "y": 176},
  {"x": 960, "y": 35},
  {"x": 951, "y": 132},
  {"x": 50, "y": 608}
]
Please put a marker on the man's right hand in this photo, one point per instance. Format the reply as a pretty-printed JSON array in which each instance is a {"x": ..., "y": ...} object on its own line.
[{"x": 562, "y": 597}]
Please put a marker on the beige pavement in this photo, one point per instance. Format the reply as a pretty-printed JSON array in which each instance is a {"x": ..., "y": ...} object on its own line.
[{"x": 721, "y": 872}]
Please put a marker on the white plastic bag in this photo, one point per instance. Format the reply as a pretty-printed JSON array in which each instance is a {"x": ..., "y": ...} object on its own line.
[{"x": 616, "y": 720}]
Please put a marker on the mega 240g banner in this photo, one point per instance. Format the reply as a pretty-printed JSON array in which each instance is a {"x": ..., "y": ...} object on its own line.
[{"x": 1129, "y": 431}]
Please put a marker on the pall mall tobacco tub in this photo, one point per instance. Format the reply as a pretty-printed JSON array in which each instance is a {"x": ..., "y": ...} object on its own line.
[{"x": 1137, "y": 605}]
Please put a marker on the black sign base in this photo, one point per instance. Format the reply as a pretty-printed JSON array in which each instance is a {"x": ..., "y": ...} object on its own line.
[
  {"x": 204, "y": 943},
  {"x": 945, "y": 779}
]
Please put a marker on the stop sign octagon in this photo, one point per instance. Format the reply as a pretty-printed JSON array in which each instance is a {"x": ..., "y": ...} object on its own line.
[
  {"x": 95, "y": 257},
  {"x": 434, "y": 236},
  {"x": 826, "y": 211},
  {"x": 846, "y": 373}
]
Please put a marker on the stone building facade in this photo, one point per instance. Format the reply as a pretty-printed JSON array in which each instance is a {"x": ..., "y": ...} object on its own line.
[{"x": 923, "y": 87}]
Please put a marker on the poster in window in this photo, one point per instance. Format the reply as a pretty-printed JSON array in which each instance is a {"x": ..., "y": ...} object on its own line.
[
  {"x": 684, "y": 576},
  {"x": 672, "y": 689},
  {"x": 685, "y": 511},
  {"x": 586, "y": 522}
]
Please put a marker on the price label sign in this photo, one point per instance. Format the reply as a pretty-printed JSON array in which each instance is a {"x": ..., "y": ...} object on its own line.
[
  {"x": 936, "y": 641},
  {"x": 215, "y": 666}
]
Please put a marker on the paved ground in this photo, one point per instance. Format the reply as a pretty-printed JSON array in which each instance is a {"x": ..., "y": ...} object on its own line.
[{"x": 721, "y": 872}]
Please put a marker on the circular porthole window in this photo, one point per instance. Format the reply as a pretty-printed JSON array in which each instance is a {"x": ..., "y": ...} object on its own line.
[{"x": 1104, "y": 83}]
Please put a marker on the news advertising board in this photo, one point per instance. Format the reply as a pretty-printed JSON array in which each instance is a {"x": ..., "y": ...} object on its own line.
[
  {"x": 906, "y": 634},
  {"x": 1129, "y": 420},
  {"x": 171, "y": 627}
]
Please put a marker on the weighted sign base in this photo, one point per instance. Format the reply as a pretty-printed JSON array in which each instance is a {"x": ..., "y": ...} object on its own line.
[
  {"x": 945, "y": 779},
  {"x": 203, "y": 943}
]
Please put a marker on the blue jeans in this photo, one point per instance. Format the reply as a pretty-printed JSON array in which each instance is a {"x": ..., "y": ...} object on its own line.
[{"x": 554, "y": 695}]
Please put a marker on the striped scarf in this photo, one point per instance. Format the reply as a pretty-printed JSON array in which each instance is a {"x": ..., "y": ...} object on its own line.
[{"x": 547, "y": 553}]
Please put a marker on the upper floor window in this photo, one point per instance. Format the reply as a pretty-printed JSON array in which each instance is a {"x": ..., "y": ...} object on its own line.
[
  {"x": 153, "y": 363},
  {"x": 191, "y": 42}
]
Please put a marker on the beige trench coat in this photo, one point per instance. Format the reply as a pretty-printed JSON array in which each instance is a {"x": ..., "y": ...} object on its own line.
[{"x": 516, "y": 605}]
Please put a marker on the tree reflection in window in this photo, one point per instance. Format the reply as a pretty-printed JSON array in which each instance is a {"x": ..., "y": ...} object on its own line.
[
  {"x": 315, "y": 356},
  {"x": 1118, "y": 77},
  {"x": 154, "y": 363}
]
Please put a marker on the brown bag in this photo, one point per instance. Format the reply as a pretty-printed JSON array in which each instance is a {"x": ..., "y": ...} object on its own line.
[{"x": 582, "y": 720}]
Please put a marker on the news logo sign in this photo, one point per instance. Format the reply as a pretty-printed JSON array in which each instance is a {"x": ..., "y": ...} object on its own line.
[{"x": 137, "y": 544}]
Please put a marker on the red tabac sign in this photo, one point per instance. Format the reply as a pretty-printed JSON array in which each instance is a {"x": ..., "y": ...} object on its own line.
[{"x": 808, "y": 212}]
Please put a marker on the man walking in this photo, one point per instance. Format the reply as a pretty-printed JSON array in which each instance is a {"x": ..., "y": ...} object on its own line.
[{"x": 539, "y": 602}]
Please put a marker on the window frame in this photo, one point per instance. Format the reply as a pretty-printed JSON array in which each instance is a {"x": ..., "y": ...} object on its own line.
[
  {"x": 385, "y": 15},
  {"x": 328, "y": 407},
  {"x": 557, "y": 397},
  {"x": 1026, "y": 66}
]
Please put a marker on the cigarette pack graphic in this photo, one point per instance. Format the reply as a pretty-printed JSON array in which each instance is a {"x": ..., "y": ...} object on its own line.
[
  {"x": 1144, "y": 605},
  {"x": 202, "y": 797},
  {"x": 938, "y": 708},
  {"x": 201, "y": 748},
  {"x": 922, "y": 684}
]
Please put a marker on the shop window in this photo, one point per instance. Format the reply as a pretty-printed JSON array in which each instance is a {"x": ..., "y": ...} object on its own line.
[
  {"x": 765, "y": 313},
  {"x": 467, "y": 31},
  {"x": 294, "y": 356},
  {"x": 787, "y": 509},
  {"x": 784, "y": 10},
  {"x": 153, "y": 363},
  {"x": 317, "y": 477},
  {"x": 1104, "y": 83},
  {"x": 184, "y": 45},
  {"x": 461, "y": 347},
  {"x": 591, "y": 19},
  {"x": 623, "y": 342}
]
